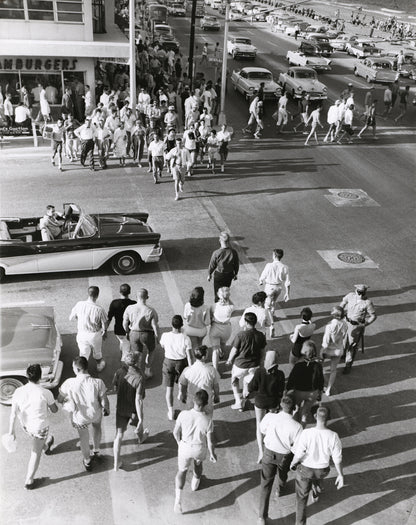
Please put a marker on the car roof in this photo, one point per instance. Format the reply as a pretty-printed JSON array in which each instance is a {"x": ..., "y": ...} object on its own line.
[
  {"x": 301, "y": 68},
  {"x": 256, "y": 70}
]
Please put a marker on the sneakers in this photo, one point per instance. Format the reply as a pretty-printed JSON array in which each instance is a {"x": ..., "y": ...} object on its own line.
[
  {"x": 101, "y": 365},
  {"x": 316, "y": 492},
  {"x": 176, "y": 197},
  {"x": 53, "y": 162},
  {"x": 237, "y": 406},
  {"x": 195, "y": 483},
  {"x": 327, "y": 392},
  {"x": 170, "y": 414},
  {"x": 177, "y": 509},
  {"x": 87, "y": 465},
  {"x": 145, "y": 435}
]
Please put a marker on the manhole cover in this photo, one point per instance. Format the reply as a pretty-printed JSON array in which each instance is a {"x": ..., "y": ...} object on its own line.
[
  {"x": 351, "y": 257},
  {"x": 348, "y": 195}
]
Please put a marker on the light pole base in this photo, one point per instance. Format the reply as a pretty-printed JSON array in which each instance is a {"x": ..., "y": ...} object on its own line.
[{"x": 222, "y": 119}]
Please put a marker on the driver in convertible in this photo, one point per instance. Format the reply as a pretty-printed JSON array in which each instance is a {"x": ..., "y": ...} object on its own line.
[{"x": 51, "y": 224}]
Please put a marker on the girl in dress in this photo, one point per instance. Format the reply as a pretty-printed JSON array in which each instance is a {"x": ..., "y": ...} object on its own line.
[
  {"x": 333, "y": 343},
  {"x": 212, "y": 148},
  {"x": 44, "y": 105},
  {"x": 220, "y": 330},
  {"x": 196, "y": 317},
  {"x": 120, "y": 143}
]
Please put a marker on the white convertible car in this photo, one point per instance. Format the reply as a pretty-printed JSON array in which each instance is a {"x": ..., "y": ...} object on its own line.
[{"x": 300, "y": 81}]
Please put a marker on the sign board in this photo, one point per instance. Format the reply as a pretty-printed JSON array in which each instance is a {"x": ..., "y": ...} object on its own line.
[
  {"x": 115, "y": 60},
  {"x": 215, "y": 60}
]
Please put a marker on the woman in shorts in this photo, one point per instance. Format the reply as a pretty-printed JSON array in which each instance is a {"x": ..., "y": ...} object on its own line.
[
  {"x": 333, "y": 343},
  {"x": 177, "y": 347},
  {"x": 220, "y": 330},
  {"x": 196, "y": 316}
]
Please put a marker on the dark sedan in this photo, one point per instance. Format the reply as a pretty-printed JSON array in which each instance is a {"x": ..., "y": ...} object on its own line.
[{"x": 86, "y": 243}]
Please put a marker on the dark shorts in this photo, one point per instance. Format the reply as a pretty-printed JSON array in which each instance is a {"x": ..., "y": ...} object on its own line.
[
  {"x": 172, "y": 369},
  {"x": 122, "y": 421},
  {"x": 141, "y": 340},
  {"x": 348, "y": 129}
]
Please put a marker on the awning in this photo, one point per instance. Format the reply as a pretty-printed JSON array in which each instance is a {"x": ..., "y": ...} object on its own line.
[{"x": 40, "y": 48}]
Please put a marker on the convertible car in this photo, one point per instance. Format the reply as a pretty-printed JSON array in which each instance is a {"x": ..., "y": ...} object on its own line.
[
  {"x": 300, "y": 81},
  {"x": 28, "y": 335},
  {"x": 86, "y": 243}
]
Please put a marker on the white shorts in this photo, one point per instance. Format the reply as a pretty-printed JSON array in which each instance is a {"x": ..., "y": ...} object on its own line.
[
  {"x": 88, "y": 341},
  {"x": 240, "y": 373},
  {"x": 189, "y": 453},
  {"x": 272, "y": 291}
]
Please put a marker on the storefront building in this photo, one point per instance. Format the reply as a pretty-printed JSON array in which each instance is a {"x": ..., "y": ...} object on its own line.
[{"x": 56, "y": 44}]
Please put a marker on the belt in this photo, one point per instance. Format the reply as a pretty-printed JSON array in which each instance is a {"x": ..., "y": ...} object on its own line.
[
  {"x": 355, "y": 323},
  {"x": 274, "y": 284}
]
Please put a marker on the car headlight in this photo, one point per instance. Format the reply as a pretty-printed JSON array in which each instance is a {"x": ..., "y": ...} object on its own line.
[
  {"x": 299, "y": 88},
  {"x": 251, "y": 88},
  {"x": 324, "y": 89}
]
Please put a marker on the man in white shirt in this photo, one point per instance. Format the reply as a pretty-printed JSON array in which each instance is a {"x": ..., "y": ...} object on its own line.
[
  {"x": 347, "y": 126},
  {"x": 332, "y": 119},
  {"x": 8, "y": 109},
  {"x": 274, "y": 276},
  {"x": 86, "y": 133},
  {"x": 280, "y": 432},
  {"x": 177, "y": 158},
  {"x": 156, "y": 148},
  {"x": 282, "y": 117},
  {"x": 224, "y": 138},
  {"x": 193, "y": 433},
  {"x": 200, "y": 376},
  {"x": 177, "y": 347},
  {"x": 22, "y": 116},
  {"x": 85, "y": 398},
  {"x": 31, "y": 403},
  {"x": 253, "y": 114},
  {"x": 92, "y": 326},
  {"x": 51, "y": 223},
  {"x": 313, "y": 452}
]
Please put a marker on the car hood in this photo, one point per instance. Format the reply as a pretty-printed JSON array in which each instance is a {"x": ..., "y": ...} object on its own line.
[
  {"x": 316, "y": 60},
  {"x": 28, "y": 336},
  {"x": 269, "y": 85},
  {"x": 244, "y": 47},
  {"x": 310, "y": 84},
  {"x": 120, "y": 225}
]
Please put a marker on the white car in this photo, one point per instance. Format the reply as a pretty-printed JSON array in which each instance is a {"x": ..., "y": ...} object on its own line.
[
  {"x": 376, "y": 70},
  {"x": 248, "y": 80},
  {"x": 311, "y": 59},
  {"x": 177, "y": 9},
  {"x": 241, "y": 47},
  {"x": 236, "y": 16},
  {"x": 340, "y": 42},
  {"x": 363, "y": 49},
  {"x": 210, "y": 23},
  {"x": 300, "y": 81}
]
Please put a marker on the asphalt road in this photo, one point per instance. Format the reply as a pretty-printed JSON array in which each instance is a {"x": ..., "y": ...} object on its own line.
[{"x": 274, "y": 193}]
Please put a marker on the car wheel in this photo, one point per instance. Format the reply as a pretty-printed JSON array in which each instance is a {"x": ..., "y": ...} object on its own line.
[
  {"x": 8, "y": 386},
  {"x": 125, "y": 263}
]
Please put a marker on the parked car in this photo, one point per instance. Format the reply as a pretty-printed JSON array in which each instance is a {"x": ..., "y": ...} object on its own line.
[
  {"x": 322, "y": 42},
  {"x": 162, "y": 30},
  {"x": 362, "y": 49},
  {"x": 210, "y": 23},
  {"x": 241, "y": 47},
  {"x": 87, "y": 242},
  {"x": 308, "y": 55},
  {"x": 177, "y": 9},
  {"x": 248, "y": 80},
  {"x": 340, "y": 42},
  {"x": 29, "y": 335},
  {"x": 376, "y": 70},
  {"x": 314, "y": 29},
  {"x": 303, "y": 80},
  {"x": 236, "y": 16}
]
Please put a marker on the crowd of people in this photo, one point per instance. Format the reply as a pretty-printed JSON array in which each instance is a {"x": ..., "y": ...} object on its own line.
[
  {"x": 341, "y": 117},
  {"x": 283, "y": 406}
]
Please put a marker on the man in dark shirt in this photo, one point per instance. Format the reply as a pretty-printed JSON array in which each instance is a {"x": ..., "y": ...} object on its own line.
[
  {"x": 129, "y": 385},
  {"x": 224, "y": 264},
  {"x": 116, "y": 311},
  {"x": 245, "y": 357}
]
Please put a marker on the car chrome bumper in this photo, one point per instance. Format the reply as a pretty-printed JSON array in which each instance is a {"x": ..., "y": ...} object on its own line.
[
  {"x": 56, "y": 379},
  {"x": 154, "y": 255}
]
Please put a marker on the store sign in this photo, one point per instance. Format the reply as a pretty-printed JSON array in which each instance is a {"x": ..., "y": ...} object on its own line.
[
  {"x": 115, "y": 60},
  {"x": 38, "y": 64}
]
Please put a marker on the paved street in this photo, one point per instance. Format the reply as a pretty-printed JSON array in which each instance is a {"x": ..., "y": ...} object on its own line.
[{"x": 314, "y": 203}]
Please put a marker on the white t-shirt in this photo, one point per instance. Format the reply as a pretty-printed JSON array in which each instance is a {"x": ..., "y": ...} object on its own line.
[
  {"x": 31, "y": 402},
  {"x": 199, "y": 376},
  {"x": 221, "y": 313},
  {"x": 194, "y": 427},
  {"x": 275, "y": 273},
  {"x": 83, "y": 395},
  {"x": 175, "y": 345},
  {"x": 264, "y": 317},
  {"x": 332, "y": 116},
  {"x": 280, "y": 432},
  {"x": 316, "y": 446},
  {"x": 156, "y": 148}
]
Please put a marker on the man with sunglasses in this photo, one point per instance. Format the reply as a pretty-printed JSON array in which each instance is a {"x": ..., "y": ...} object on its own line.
[{"x": 359, "y": 314}]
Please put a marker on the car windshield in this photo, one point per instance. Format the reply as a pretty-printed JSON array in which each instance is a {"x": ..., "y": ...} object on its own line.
[
  {"x": 382, "y": 65},
  {"x": 246, "y": 41},
  {"x": 263, "y": 75},
  {"x": 305, "y": 74}
]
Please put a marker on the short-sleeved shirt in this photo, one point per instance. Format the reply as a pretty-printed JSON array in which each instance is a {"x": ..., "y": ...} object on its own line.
[
  {"x": 264, "y": 317},
  {"x": 280, "y": 432},
  {"x": 156, "y": 148},
  {"x": 275, "y": 273},
  {"x": 128, "y": 382},
  {"x": 199, "y": 376},
  {"x": 196, "y": 316},
  {"x": 140, "y": 317},
  {"x": 84, "y": 393},
  {"x": 357, "y": 307},
  {"x": 31, "y": 402},
  {"x": 175, "y": 345},
  {"x": 90, "y": 316},
  {"x": 316, "y": 447},
  {"x": 116, "y": 310},
  {"x": 194, "y": 427},
  {"x": 249, "y": 344}
]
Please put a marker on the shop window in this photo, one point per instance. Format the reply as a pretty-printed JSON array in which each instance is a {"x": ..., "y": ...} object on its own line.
[
  {"x": 51, "y": 82},
  {"x": 9, "y": 83},
  {"x": 69, "y": 11},
  {"x": 12, "y": 9}
]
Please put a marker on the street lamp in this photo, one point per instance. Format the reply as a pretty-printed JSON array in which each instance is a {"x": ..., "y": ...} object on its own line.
[
  {"x": 132, "y": 47},
  {"x": 222, "y": 118}
]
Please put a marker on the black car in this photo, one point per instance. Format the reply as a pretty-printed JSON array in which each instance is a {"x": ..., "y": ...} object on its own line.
[
  {"x": 85, "y": 243},
  {"x": 322, "y": 42}
]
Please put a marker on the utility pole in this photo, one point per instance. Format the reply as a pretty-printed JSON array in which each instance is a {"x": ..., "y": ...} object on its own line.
[
  {"x": 191, "y": 44},
  {"x": 222, "y": 118},
  {"x": 132, "y": 46}
]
